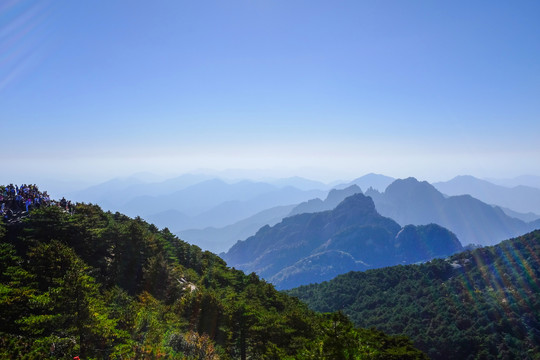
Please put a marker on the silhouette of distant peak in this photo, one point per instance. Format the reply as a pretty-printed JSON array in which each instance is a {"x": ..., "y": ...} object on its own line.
[
  {"x": 334, "y": 197},
  {"x": 355, "y": 203},
  {"x": 411, "y": 186},
  {"x": 337, "y": 194}
]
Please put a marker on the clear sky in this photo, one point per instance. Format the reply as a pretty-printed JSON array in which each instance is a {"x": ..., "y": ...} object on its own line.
[{"x": 324, "y": 89}]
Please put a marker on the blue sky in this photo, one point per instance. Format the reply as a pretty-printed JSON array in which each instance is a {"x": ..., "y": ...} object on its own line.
[{"x": 324, "y": 89}]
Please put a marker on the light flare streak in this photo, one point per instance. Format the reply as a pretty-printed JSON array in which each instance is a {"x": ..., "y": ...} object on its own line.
[{"x": 21, "y": 38}]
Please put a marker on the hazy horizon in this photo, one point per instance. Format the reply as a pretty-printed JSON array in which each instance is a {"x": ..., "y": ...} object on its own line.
[
  {"x": 91, "y": 91},
  {"x": 64, "y": 185}
]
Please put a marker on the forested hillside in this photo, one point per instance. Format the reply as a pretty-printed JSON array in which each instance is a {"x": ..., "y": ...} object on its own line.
[
  {"x": 104, "y": 286},
  {"x": 480, "y": 304}
]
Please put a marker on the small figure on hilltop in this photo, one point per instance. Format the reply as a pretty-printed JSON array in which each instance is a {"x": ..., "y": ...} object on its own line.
[{"x": 28, "y": 204}]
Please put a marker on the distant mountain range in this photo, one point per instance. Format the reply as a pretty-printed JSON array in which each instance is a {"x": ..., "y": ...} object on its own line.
[
  {"x": 314, "y": 247},
  {"x": 114, "y": 193},
  {"x": 221, "y": 239},
  {"x": 197, "y": 198},
  {"x": 409, "y": 201},
  {"x": 193, "y": 201},
  {"x": 299, "y": 183},
  {"x": 523, "y": 180},
  {"x": 524, "y": 199},
  {"x": 215, "y": 213},
  {"x": 332, "y": 200},
  {"x": 528, "y": 217},
  {"x": 231, "y": 211},
  {"x": 376, "y": 181}
]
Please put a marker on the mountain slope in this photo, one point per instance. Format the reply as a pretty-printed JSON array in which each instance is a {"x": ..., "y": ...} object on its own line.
[
  {"x": 480, "y": 304},
  {"x": 101, "y": 285},
  {"x": 315, "y": 247},
  {"x": 409, "y": 201}
]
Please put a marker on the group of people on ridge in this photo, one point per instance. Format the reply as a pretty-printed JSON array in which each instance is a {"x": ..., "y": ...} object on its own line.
[{"x": 16, "y": 201}]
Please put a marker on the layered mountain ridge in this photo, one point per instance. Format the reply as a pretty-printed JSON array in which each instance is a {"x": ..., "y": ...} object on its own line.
[
  {"x": 409, "y": 201},
  {"x": 214, "y": 213},
  {"x": 521, "y": 198},
  {"x": 333, "y": 199},
  {"x": 313, "y": 247}
]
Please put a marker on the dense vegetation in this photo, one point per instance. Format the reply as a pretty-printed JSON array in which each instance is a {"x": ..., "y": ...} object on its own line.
[
  {"x": 104, "y": 286},
  {"x": 480, "y": 304}
]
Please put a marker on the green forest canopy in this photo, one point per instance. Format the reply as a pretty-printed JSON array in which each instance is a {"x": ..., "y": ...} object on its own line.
[{"x": 480, "y": 304}]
